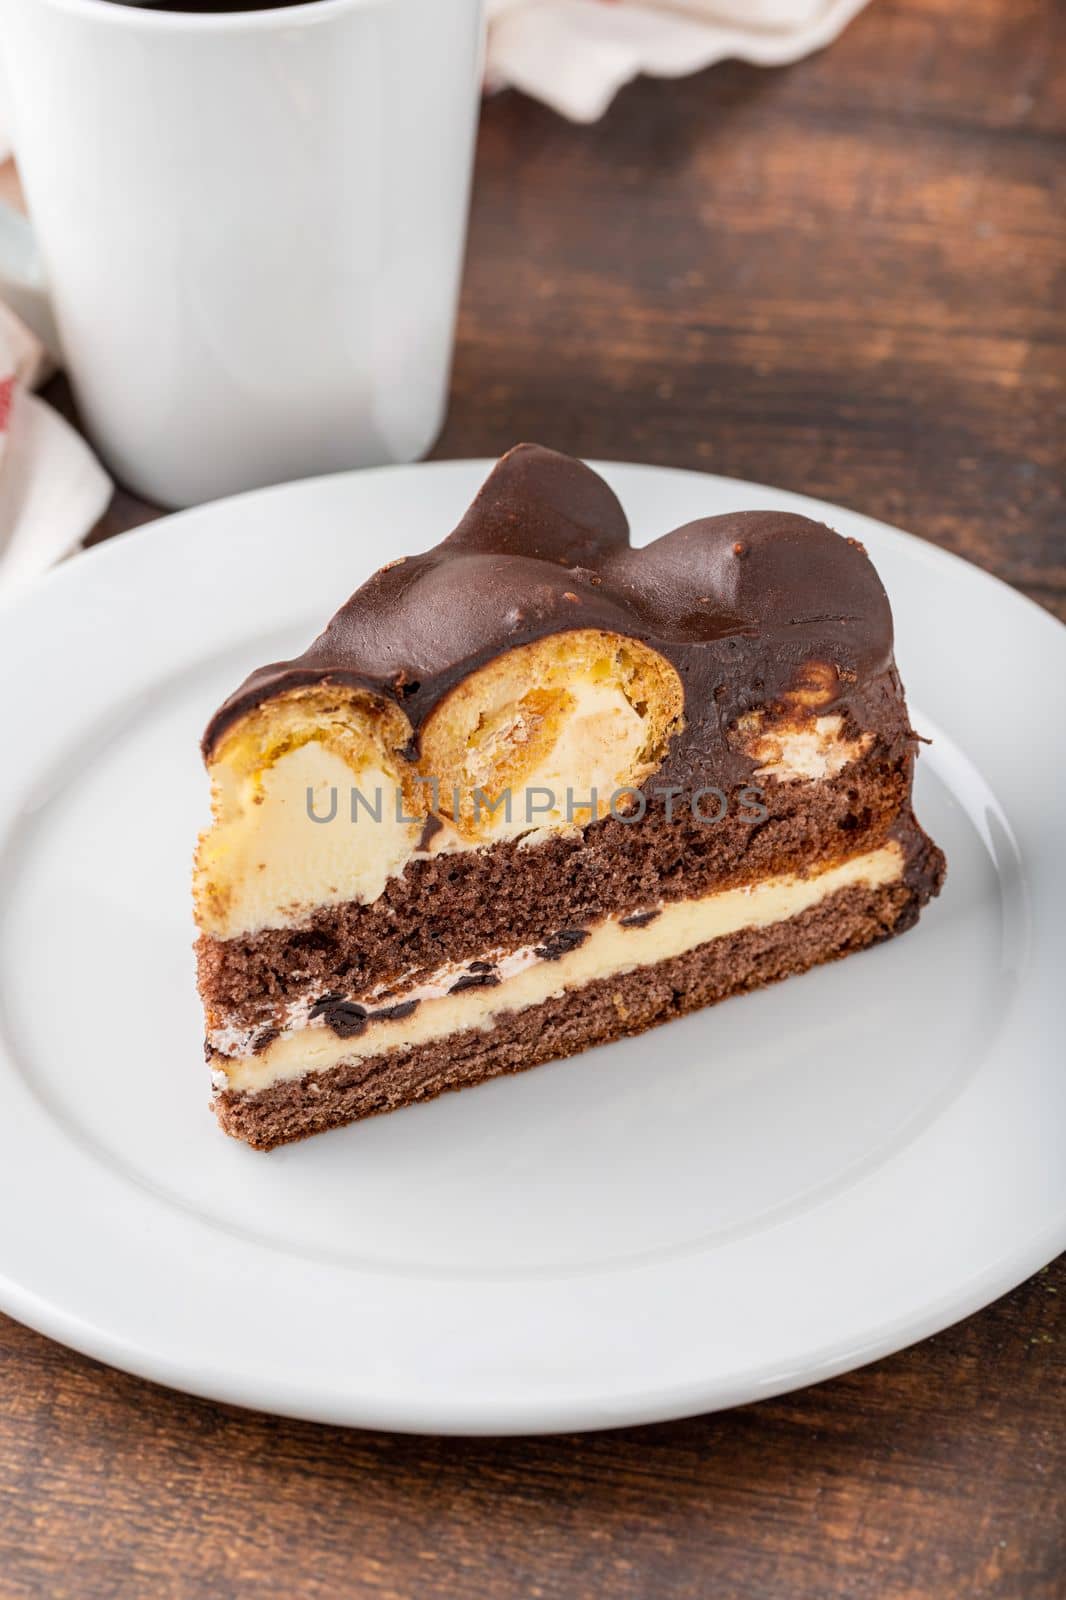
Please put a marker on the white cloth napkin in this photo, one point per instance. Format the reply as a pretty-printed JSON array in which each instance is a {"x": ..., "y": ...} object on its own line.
[
  {"x": 52, "y": 488},
  {"x": 576, "y": 54}
]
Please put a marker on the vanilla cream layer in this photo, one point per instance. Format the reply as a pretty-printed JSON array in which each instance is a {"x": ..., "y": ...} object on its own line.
[
  {"x": 609, "y": 950},
  {"x": 293, "y": 838}
]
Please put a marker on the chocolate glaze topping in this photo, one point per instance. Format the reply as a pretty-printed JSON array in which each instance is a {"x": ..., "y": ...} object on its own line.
[{"x": 740, "y": 604}]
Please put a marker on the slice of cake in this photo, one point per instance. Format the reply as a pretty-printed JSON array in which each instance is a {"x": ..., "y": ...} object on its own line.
[{"x": 535, "y": 789}]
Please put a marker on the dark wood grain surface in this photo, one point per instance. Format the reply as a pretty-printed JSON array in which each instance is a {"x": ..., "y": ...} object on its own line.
[{"x": 844, "y": 278}]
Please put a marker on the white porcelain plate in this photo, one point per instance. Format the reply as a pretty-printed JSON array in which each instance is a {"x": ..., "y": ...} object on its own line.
[{"x": 747, "y": 1200}]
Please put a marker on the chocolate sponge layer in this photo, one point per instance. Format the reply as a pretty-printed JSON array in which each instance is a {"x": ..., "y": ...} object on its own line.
[
  {"x": 595, "y": 1014},
  {"x": 455, "y": 907}
]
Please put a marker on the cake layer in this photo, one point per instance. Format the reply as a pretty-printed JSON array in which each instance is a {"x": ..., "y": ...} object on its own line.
[
  {"x": 454, "y": 1001},
  {"x": 563, "y": 1024},
  {"x": 453, "y": 906}
]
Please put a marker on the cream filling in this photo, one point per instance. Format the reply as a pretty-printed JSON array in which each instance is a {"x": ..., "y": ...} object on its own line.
[
  {"x": 597, "y": 749},
  {"x": 234, "y": 1039},
  {"x": 609, "y": 951},
  {"x": 294, "y": 839},
  {"x": 813, "y": 751}
]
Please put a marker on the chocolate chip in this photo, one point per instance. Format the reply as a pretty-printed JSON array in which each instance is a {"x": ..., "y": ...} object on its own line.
[
  {"x": 402, "y": 1008},
  {"x": 560, "y": 944},
  {"x": 345, "y": 1018},
  {"x": 264, "y": 1037},
  {"x": 639, "y": 919},
  {"x": 475, "y": 980},
  {"x": 480, "y": 966}
]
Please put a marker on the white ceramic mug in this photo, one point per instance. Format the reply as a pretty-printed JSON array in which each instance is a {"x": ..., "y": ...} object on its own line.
[{"x": 250, "y": 225}]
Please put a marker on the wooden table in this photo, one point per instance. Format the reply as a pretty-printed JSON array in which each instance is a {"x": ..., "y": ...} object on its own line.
[{"x": 840, "y": 278}]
